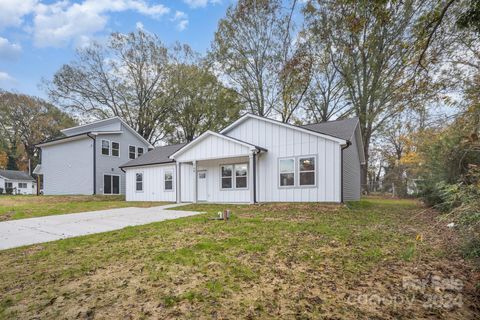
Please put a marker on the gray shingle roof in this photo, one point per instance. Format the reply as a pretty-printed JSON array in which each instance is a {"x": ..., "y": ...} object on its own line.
[
  {"x": 15, "y": 175},
  {"x": 158, "y": 155},
  {"x": 342, "y": 129}
]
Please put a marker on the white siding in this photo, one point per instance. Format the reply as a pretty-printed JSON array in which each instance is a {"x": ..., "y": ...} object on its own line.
[
  {"x": 186, "y": 184},
  {"x": 67, "y": 168},
  {"x": 214, "y": 190},
  {"x": 153, "y": 184},
  {"x": 213, "y": 147},
  {"x": 281, "y": 141}
]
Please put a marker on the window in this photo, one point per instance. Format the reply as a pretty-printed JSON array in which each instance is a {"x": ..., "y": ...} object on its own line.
[
  {"x": 307, "y": 171},
  {"x": 168, "y": 180},
  {"x": 131, "y": 152},
  {"x": 139, "y": 182},
  {"x": 139, "y": 151},
  {"x": 22, "y": 185},
  {"x": 106, "y": 147},
  {"x": 111, "y": 184},
  {"x": 227, "y": 177},
  {"x": 8, "y": 185},
  {"x": 115, "y": 149},
  {"x": 240, "y": 176},
  {"x": 287, "y": 172}
]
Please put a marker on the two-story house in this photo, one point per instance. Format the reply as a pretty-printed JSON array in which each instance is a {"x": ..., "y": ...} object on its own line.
[{"x": 87, "y": 159}]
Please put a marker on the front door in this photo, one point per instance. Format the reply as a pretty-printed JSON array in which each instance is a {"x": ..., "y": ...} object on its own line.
[{"x": 202, "y": 185}]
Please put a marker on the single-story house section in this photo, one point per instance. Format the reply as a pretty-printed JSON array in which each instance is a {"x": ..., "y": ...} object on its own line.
[
  {"x": 255, "y": 159},
  {"x": 20, "y": 182}
]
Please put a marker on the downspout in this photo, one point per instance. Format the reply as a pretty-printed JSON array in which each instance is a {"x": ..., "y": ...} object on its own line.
[
  {"x": 94, "y": 163},
  {"x": 254, "y": 177},
  {"x": 341, "y": 169}
]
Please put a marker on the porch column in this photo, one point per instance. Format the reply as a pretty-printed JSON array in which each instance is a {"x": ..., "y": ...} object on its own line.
[
  {"x": 253, "y": 173},
  {"x": 178, "y": 180},
  {"x": 195, "y": 183}
]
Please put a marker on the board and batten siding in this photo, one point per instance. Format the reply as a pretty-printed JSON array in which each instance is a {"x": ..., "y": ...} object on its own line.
[
  {"x": 67, "y": 168},
  {"x": 281, "y": 142},
  {"x": 351, "y": 172},
  {"x": 213, "y": 147},
  {"x": 153, "y": 184}
]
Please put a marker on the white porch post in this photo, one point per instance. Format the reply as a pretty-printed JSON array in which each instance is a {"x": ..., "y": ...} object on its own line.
[
  {"x": 195, "y": 183},
  {"x": 178, "y": 180},
  {"x": 252, "y": 175}
]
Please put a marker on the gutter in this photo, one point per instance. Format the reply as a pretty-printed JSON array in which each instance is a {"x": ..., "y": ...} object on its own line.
[
  {"x": 94, "y": 162},
  {"x": 341, "y": 169}
]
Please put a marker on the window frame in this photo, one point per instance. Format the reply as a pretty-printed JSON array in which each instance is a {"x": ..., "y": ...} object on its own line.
[
  {"x": 294, "y": 173},
  {"x": 134, "y": 152},
  {"x": 234, "y": 176},
  {"x": 164, "y": 180},
  {"x": 111, "y": 151},
  {"x": 8, "y": 183},
  {"x": 299, "y": 158},
  {"x": 22, "y": 183},
  {"x": 143, "y": 182},
  {"x": 109, "y": 148},
  {"x": 143, "y": 151},
  {"x": 111, "y": 181}
]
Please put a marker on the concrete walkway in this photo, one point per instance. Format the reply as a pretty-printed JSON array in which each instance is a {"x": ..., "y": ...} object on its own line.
[{"x": 17, "y": 233}]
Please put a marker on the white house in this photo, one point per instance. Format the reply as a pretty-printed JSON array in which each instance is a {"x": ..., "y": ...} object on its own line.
[
  {"x": 255, "y": 159},
  {"x": 18, "y": 181}
]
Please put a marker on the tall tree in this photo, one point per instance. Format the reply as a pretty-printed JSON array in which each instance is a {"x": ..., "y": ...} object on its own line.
[
  {"x": 202, "y": 103},
  {"x": 259, "y": 51},
  {"x": 126, "y": 78},
  {"x": 28, "y": 120},
  {"x": 374, "y": 49}
]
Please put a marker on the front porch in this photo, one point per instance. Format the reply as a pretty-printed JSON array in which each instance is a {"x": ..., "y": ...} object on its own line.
[{"x": 217, "y": 169}]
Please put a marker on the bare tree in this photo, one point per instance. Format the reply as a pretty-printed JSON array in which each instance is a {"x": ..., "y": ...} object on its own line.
[{"x": 124, "y": 78}]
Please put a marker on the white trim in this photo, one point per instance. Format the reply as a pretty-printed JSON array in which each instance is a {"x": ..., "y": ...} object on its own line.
[
  {"x": 249, "y": 115},
  {"x": 164, "y": 172},
  {"x": 234, "y": 176},
  {"x": 296, "y": 172},
  {"x": 109, "y": 148},
  {"x": 278, "y": 173},
  {"x": 314, "y": 171},
  {"x": 110, "y": 119},
  {"x": 211, "y": 133},
  {"x": 134, "y": 152},
  {"x": 143, "y": 151},
  {"x": 119, "y": 184},
  {"x": 143, "y": 182},
  {"x": 206, "y": 185}
]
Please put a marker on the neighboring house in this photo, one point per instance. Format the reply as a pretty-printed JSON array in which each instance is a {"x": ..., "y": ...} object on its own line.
[
  {"x": 87, "y": 159},
  {"x": 255, "y": 159},
  {"x": 20, "y": 182}
]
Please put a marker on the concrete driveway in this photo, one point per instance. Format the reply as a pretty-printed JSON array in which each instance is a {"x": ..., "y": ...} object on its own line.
[{"x": 23, "y": 232}]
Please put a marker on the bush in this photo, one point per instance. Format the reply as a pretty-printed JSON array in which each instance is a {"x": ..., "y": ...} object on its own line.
[
  {"x": 9, "y": 191},
  {"x": 1, "y": 190}
]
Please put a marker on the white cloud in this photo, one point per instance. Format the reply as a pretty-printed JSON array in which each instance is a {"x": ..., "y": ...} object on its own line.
[
  {"x": 58, "y": 23},
  {"x": 5, "y": 77},
  {"x": 12, "y": 12},
  {"x": 9, "y": 50},
  {"x": 200, "y": 3},
  {"x": 139, "y": 25},
  {"x": 181, "y": 18}
]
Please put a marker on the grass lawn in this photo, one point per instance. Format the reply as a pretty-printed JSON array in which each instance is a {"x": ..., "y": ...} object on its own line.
[
  {"x": 304, "y": 261},
  {"x": 21, "y": 207}
]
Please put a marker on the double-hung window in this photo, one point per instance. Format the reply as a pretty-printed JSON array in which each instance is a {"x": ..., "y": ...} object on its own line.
[
  {"x": 227, "y": 177},
  {"x": 106, "y": 147},
  {"x": 115, "y": 149},
  {"x": 22, "y": 185},
  {"x": 287, "y": 172},
  {"x": 306, "y": 171},
  {"x": 297, "y": 171},
  {"x": 139, "y": 182},
  {"x": 139, "y": 151},
  {"x": 131, "y": 152},
  {"x": 241, "y": 176},
  {"x": 168, "y": 180}
]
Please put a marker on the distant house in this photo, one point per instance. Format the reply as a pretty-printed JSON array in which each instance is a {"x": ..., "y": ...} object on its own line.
[
  {"x": 255, "y": 159},
  {"x": 18, "y": 181},
  {"x": 87, "y": 159}
]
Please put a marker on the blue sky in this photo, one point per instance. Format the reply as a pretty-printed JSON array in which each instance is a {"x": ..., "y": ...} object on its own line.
[{"x": 38, "y": 36}]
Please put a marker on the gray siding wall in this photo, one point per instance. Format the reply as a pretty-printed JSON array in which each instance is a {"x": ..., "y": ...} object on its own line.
[
  {"x": 68, "y": 167},
  {"x": 110, "y": 164},
  {"x": 351, "y": 172}
]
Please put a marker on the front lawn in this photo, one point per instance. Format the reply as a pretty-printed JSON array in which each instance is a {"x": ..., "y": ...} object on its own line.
[
  {"x": 21, "y": 207},
  {"x": 304, "y": 261}
]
